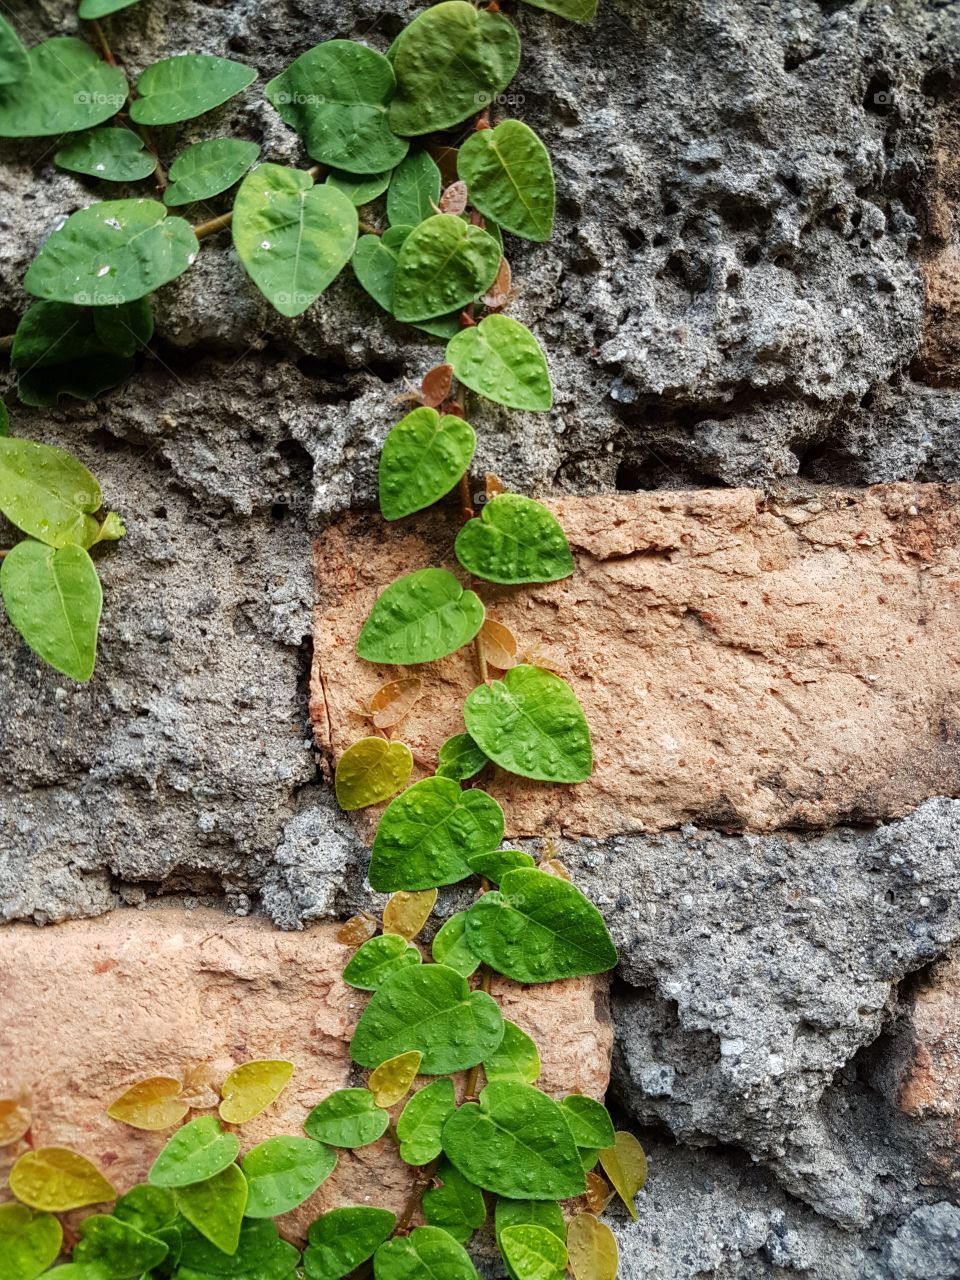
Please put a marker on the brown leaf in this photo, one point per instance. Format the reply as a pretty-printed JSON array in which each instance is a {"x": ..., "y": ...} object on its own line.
[
  {"x": 554, "y": 867},
  {"x": 394, "y": 700},
  {"x": 198, "y": 1092},
  {"x": 498, "y": 295},
  {"x": 493, "y": 485},
  {"x": 436, "y": 386},
  {"x": 538, "y": 657},
  {"x": 454, "y": 199},
  {"x": 357, "y": 929},
  {"x": 446, "y": 160},
  {"x": 599, "y": 1193},
  {"x": 15, "y": 1121},
  {"x": 499, "y": 645},
  {"x": 406, "y": 913}
]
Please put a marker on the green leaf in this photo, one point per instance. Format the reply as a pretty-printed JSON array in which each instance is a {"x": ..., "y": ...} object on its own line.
[
  {"x": 443, "y": 264},
  {"x": 534, "y": 1213},
  {"x": 336, "y": 96},
  {"x": 494, "y": 866},
  {"x": 207, "y": 168},
  {"x": 516, "y": 1059},
  {"x": 359, "y": 188},
  {"x": 90, "y": 9},
  {"x": 516, "y": 1143},
  {"x": 575, "y": 10},
  {"x": 371, "y": 771},
  {"x": 427, "y": 1253},
  {"x": 422, "y": 1119},
  {"x": 450, "y": 62},
  {"x": 215, "y": 1207},
  {"x": 186, "y": 86},
  {"x": 460, "y": 758},
  {"x": 510, "y": 179},
  {"x": 377, "y": 959},
  {"x": 374, "y": 263},
  {"x": 432, "y": 1009},
  {"x": 348, "y": 1118},
  {"x": 147, "y": 1208},
  {"x": 426, "y": 832},
  {"x": 48, "y": 494},
  {"x": 4, "y": 420},
  {"x": 457, "y": 1206},
  {"x": 282, "y": 1172},
  {"x": 66, "y": 88},
  {"x": 421, "y": 617},
  {"x": 53, "y": 598},
  {"x": 293, "y": 237},
  {"x": 515, "y": 540},
  {"x": 29, "y": 1241},
  {"x": 339, "y": 1241},
  {"x": 111, "y": 253},
  {"x": 533, "y": 1253},
  {"x": 450, "y": 946},
  {"x": 14, "y": 60},
  {"x": 502, "y": 360},
  {"x": 589, "y": 1121},
  {"x": 423, "y": 457},
  {"x": 120, "y": 1249},
  {"x": 195, "y": 1153},
  {"x": 531, "y": 723},
  {"x": 414, "y": 190},
  {"x": 112, "y": 154},
  {"x": 259, "y": 1255},
  {"x": 539, "y": 928}
]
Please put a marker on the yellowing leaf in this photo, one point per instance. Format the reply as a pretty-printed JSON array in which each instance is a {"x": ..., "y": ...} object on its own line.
[
  {"x": 251, "y": 1087},
  {"x": 15, "y": 1121},
  {"x": 407, "y": 913},
  {"x": 493, "y": 485},
  {"x": 554, "y": 867},
  {"x": 151, "y": 1104},
  {"x": 626, "y": 1166},
  {"x": 197, "y": 1092},
  {"x": 370, "y": 771},
  {"x": 499, "y": 645},
  {"x": 391, "y": 1081},
  {"x": 599, "y": 1193},
  {"x": 355, "y": 931},
  {"x": 394, "y": 700},
  {"x": 56, "y": 1179},
  {"x": 591, "y": 1248}
]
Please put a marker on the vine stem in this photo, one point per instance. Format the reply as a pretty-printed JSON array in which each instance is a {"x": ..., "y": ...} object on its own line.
[
  {"x": 466, "y": 509},
  {"x": 103, "y": 42}
]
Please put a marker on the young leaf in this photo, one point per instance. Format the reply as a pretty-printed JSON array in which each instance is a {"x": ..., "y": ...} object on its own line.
[
  {"x": 450, "y": 946},
  {"x": 456, "y": 1205},
  {"x": 55, "y": 1179},
  {"x": 501, "y": 359},
  {"x": 510, "y": 178},
  {"x": 29, "y": 1241},
  {"x": 393, "y": 701},
  {"x": 348, "y": 1118},
  {"x": 375, "y": 265},
  {"x": 282, "y": 1172},
  {"x": 53, "y": 598},
  {"x": 589, "y": 1121},
  {"x": 359, "y": 188},
  {"x": 576, "y": 11},
  {"x": 15, "y": 1121},
  {"x": 625, "y": 1165},
  {"x": 186, "y": 86},
  {"x": 198, "y": 1151},
  {"x": 111, "y": 253},
  {"x": 371, "y": 771},
  {"x": 292, "y": 237},
  {"x": 423, "y": 457},
  {"x": 460, "y": 758},
  {"x": 391, "y": 1081},
  {"x": 422, "y": 1119},
  {"x": 454, "y": 199},
  {"x": 515, "y": 1060},
  {"x": 118, "y": 1248},
  {"x": 421, "y": 617},
  {"x": 599, "y": 1192},
  {"x": 498, "y": 295},
  {"x": 516, "y": 1143},
  {"x": 48, "y": 494},
  {"x": 533, "y": 1253},
  {"x": 14, "y": 61},
  {"x": 451, "y": 61},
  {"x": 427, "y": 1252},
  {"x": 414, "y": 190},
  {"x": 539, "y": 929},
  {"x": 531, "y": 723},
  {"x": 432, "y": 1009},
  {"x": 406, "y": 913},
  {"x": 499, "y": 645},
  {"x": 377, "y": 959},
  {"x": 215, "y": 1207},
  {"x": 357, "y": 929},
  {"x": 112, "y": 154},
  {"x": 198, "y": 1093},
  {"x": 494, "y": 866},
  {"x": 207, "y": 168},
  {"x": 259, "y": 1255},
  {"x": 347, "y": 124},
  {"x": 592, "y": 1247},
  {"x": 66, "y": 88},
  {"x": 339, "y": 1241},
  {"x": 252, "y": 1087},
  {"x": 443, "y": 264},
  {"x": 152, "y": 1104},
  {"x": 515, "y": 540},
  {"x": 147, "y": 1208},
  {"x": 436, "y": 385},
  {"x": 425, "y": 832}
]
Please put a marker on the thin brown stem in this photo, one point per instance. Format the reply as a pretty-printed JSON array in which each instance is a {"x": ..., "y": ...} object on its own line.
[
  {"x": 424, "y": 1178},
  {"x": 204, "y": 229},
  {"x": 6, "y": 342},
  {"x": 103, "y": 43},
  {"x": 473, "y": 1076},
  {"x": 3, "y": 553}
]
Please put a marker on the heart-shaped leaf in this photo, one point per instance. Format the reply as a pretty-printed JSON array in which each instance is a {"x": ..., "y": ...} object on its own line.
[
  {"x": 502, "y": 360},
  {"x": 510, "y": 179},
  {"x": 377, "y": 958},
  {"x": 14, "y": 60},
  {"x": 422, "y": 1119},
  {"x": 29, "y": 1241},
  {"x": 48, "y": 494},
  {"x": 216, "y": 1206},
  {"x": 53, "y": 598},
  {"x": 347, "y": 1118},
  {"x": 113, "y": 155},
  {"x": 444, "y": 263},
  {"x": 421, "y": 617},
  {"x": 516, "y": 1143},
  {"x": 533, "y": 1253},
  {"x": 494, "y": 866},
  {"x": 625, "y": 1164},
  {"x": 425, "y": 1254},
  {"x": 111, "y": 253},
  {"x": 450, "y": 62},
  {"x": 195, "y": 1153},
  {"x": 282, "y": 1172},
  {"x": 152, "y": 1104},
  {"x": 292, "y": 237},
  {"x": 450, "y": 946},
  {"x": 592, "y": 1248},
  {"x": 56, "y": 1179},
  {"x": 456, "y": 1205},
  {"x": 66, "y": 88},
  {"x": 186, "y": 86},
  {"x": 207, "y": 168},
  {"x": 359, "y": 188},
  {"x": 393, "y": 700},
  {"x": 539, "y": 928},
  {"x": 576, "y": 11},
  {"x": 533, "y": 1213},
  {"x": 118, "y": 1248},
  {"x": 432, "y": 1009},
  {"x": 427, "y": 831},
  {"x": 516, "y": 1059},
  {"x": 515, "y": 540},
  {"x": 391, "y": 1081},
  {"x": 589, "y": 1121},
  {"x": 336, "y": 96},
  {"x": 375, "y": 265},
  {"x": 414, "y": 190},
  {"x": 252, "y": 1087},
  {"x": 371, "y": 771},
  {"x": 339, "y": 1241},
  {"x": 147, "y": 1208},
  {"x": 531, "y": 723},
  {"x": 259, "y": 1255},
  {"x": 423, "y": 457},
  {"x": 406, "y": 913},
  {"x": 460, "y": 758}
]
